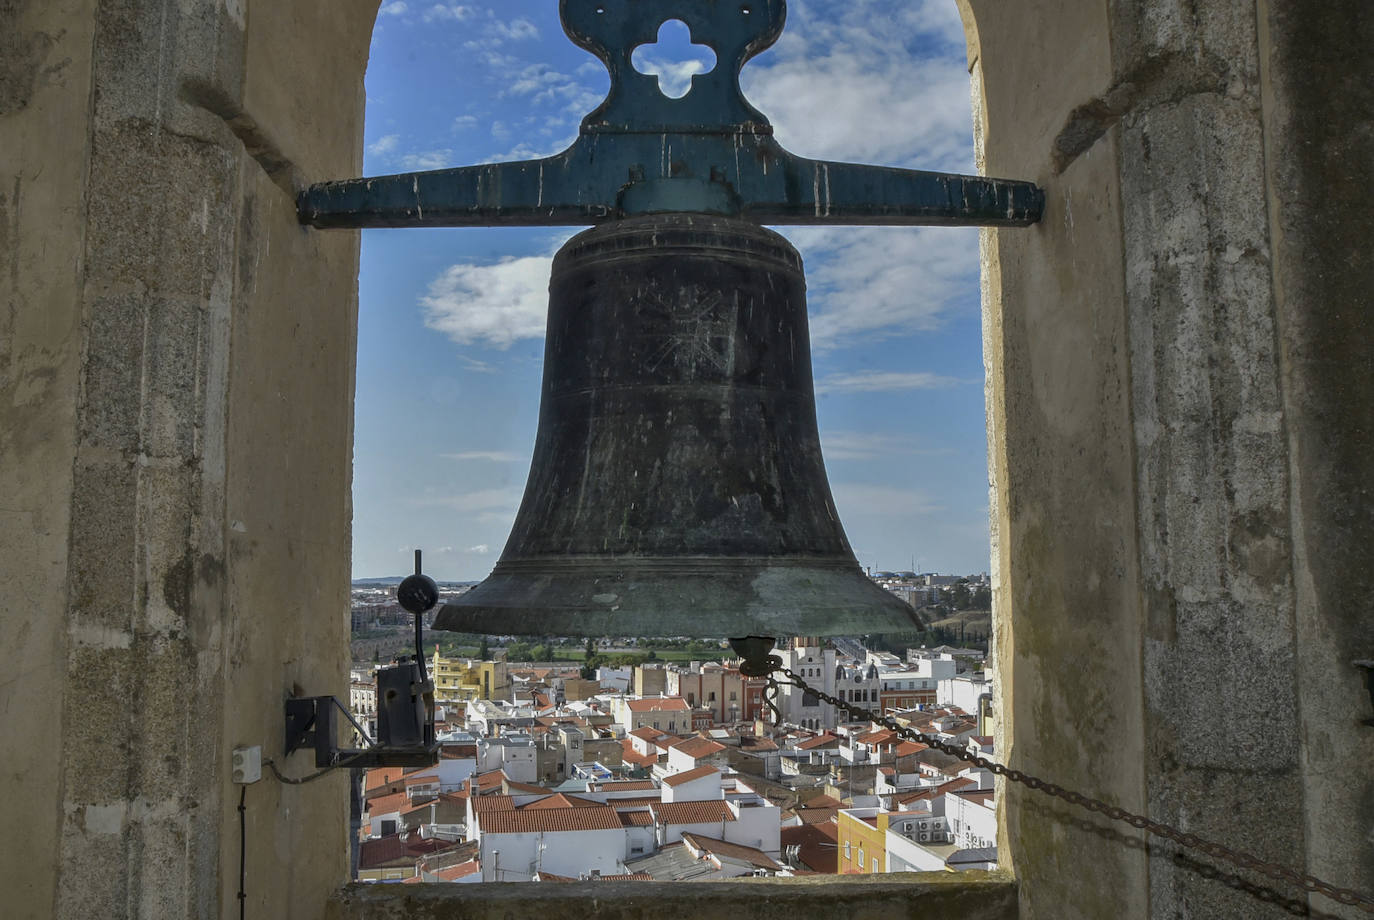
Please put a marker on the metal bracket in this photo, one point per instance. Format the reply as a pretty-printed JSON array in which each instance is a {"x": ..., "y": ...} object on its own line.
[
  {"x": 312, "y": 721},
  {"x": 641, "y": 152}
]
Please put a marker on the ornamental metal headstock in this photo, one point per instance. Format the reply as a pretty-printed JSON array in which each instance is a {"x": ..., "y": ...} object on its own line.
[{"x": 642, "y": 152}]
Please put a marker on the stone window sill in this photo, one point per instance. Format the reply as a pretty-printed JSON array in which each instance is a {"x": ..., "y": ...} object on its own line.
[{"x": 898, "y": 896}]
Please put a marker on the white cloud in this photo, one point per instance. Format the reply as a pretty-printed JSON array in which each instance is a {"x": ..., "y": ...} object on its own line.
[
  {"x": 844, "y": 89},
  {"x": 464, "y": 122},
  {"x": 516, "y": 30},
  {"x": 455, "y": 12},
  {"x": 857, "y": 445},
  {"x": 883, "y": 382},
  {"x": 395, "y": 8},
  {"x": 427, "y": 159},
  {"x": 496, "y": 305},
  {"x": 865, "y": 281},
  {"x": 481, "y": 549},
  {"x": 495, "y": 456},
  {"x": 384, "y": 145},
  {"x": 504, "y": 500},
  {"x": 860, "y": 498}
]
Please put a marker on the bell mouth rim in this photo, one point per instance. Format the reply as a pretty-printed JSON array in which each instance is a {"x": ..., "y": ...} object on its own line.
[
  {"x": 730, "y": 597},
  {"x": 614, "y": 565}
]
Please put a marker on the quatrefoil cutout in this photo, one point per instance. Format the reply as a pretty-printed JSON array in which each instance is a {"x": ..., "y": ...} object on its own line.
[
  {"x": 736, "y": 30},
  {"x": 674, "y": 59}
]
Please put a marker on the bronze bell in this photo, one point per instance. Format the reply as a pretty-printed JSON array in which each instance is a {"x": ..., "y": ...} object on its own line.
[{"x": 677, "y": 486}]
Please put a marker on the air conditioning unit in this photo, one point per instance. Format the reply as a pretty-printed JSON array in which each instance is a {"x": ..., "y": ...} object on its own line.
[
  {"x": 925, "y": 838},
  {"x": 925, "y": 824}
]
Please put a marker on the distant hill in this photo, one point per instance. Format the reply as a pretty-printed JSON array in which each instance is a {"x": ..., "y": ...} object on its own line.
[{"x": 388, "y": 580}]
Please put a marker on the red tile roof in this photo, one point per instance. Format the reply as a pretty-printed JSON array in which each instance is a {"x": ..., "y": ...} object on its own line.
[
  {"x": 453, "y": 873},
  {"x": 876, "y": 737},
  {"x": 486, "y": 803},
  {"x": 549, "y": 820},
  {"x": 626, "y": 785},
  {"x": 646, "y": 733},
  {"x": 392, "y": 850},
  {"x": 631, "y": 756},
  {"x": 817, "y": 842},
  {"x": 710, "y": 846},
  {"x": 677, "y": 779},
  {"x": 636, "y": 819},
  {"x": 700, "y": 747},
  {"x": 560, "y": 800},
  {"x": 820, "y": 801},
  {"x": 386, "y": 804},
  {"x": 691, "y": 812},
  {"x": 382, "y": 776},
  {"x": 513, "y": 786},
  {"x": 825, "y": 740}
]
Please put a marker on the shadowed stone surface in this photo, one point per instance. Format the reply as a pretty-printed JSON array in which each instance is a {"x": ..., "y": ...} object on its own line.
[{"x": 911, "y": 896}]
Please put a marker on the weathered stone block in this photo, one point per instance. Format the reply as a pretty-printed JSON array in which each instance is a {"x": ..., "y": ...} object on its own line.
[{"x": 103, "y": 545}]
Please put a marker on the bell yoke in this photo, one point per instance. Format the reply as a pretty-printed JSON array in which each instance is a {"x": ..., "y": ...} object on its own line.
[{"x": 677, "y": 485}]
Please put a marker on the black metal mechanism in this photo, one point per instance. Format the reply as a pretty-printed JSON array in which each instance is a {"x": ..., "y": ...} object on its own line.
[{"x": 405, "y": 704}]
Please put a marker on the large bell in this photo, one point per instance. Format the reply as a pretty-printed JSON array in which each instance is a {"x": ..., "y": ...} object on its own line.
[{"x": 677, "y": 486}]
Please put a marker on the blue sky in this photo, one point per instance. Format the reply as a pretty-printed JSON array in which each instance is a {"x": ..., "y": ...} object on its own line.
[{"x": 451, "y": 321}]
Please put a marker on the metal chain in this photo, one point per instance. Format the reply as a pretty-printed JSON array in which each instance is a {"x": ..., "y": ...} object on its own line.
[{"x": 1189, "y": 841}]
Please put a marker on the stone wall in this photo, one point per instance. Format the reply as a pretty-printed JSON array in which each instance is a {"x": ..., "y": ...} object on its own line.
[
  {"x": 1179, "y": 364},
  {"x": 176, "y": 382},
  {"x": 1181, "y": 463}
]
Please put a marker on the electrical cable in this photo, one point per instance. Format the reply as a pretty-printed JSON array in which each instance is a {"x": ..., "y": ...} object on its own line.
[
  {"x": 243, "y": 849},
  {"x": 310, "y": 778}
]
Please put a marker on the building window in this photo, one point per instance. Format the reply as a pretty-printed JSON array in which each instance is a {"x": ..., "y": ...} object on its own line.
[
  {"x": 875, "y": 864},
  {"x": 732, "y": 696},
  {"x": 847, "y": 854},
  {"x": 861, "y": 858}
]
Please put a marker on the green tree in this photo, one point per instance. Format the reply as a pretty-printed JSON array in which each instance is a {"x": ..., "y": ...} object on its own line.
[
  {"x": 484, "y": 650},
  {"x": 541, "y": 653},
  {"x": 590, "y": 650}
]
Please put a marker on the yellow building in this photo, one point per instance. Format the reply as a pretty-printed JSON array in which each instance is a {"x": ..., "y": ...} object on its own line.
[
  {"x": 465, "y": 679},
  {"x": 862, "y": 841}
]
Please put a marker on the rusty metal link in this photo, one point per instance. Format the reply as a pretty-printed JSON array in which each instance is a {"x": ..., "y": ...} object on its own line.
[{"x": 1186, "y": 840}]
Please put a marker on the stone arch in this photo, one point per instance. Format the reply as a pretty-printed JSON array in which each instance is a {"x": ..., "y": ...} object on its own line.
[{"x": 1179, "y": 368}]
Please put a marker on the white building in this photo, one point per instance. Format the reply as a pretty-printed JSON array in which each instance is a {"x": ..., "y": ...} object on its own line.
[
  {"x": 514, "y": 753},
  {"x": 964, "y": 691},
  {"x": 515, "y": 844},
  {"x": 815, "y": 664},
  {"x": 972, "y": 816}
]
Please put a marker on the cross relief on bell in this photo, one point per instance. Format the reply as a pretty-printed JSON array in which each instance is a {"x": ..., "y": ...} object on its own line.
[{"x": 677, "y": 485}]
